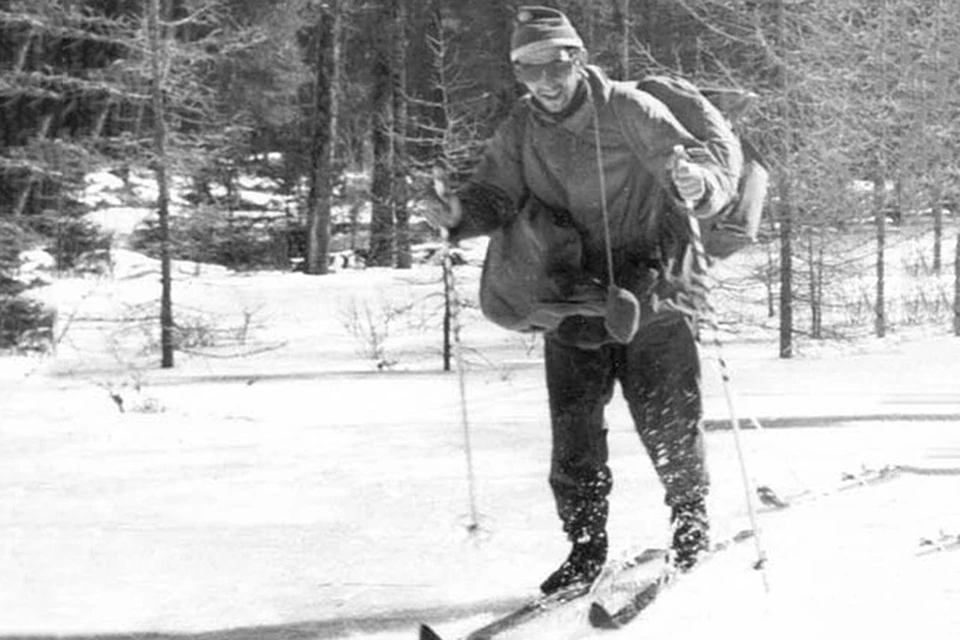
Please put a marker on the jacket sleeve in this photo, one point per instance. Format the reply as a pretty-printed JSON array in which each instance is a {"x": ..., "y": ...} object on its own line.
[
  {"x": 651, "y": 115},
  {"x": 496, "y": 188}
]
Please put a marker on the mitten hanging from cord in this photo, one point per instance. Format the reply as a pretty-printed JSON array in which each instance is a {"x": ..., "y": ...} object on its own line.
[{"x": 622, "y": 314}]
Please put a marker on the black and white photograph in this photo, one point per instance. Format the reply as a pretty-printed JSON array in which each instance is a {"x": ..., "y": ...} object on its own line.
[{"x": 479, "y": 319}]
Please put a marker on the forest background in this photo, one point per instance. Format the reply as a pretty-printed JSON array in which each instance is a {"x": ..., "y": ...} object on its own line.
[{"x": 343, "y": 106}]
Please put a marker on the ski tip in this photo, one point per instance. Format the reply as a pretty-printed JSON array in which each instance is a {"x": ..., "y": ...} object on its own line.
[
  {"x": 770, "y": 498},
  {"x": 600, "y": 618},
  {"x": 426, "y": 633}
]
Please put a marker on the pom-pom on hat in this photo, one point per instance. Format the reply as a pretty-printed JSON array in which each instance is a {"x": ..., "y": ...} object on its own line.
[{"x": 538, "y": 29}]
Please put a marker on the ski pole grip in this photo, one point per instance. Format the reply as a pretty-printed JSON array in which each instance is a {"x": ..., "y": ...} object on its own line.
[{"x": 680, "y": 153}]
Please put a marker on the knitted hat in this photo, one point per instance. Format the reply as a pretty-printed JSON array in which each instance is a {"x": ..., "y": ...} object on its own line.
[{"x": 540, "y": 28}]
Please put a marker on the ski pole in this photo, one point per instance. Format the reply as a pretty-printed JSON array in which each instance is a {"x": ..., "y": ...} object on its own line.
[
  {"x": 680, "y": 154},
  {"x": 441, "y": 191},
  {"x": 473, "y": 526},
  {"x": 761, "y": 563}
]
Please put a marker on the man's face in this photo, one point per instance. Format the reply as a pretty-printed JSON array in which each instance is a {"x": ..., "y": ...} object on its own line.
[{"x": 551, "y": 76}]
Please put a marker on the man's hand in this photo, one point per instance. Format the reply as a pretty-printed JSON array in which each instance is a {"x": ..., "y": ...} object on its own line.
[
  {"x": 689, "y": 179},
  {"x": 446, "y": 213}
]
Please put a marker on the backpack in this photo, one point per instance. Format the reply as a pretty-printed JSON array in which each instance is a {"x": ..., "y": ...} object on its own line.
[{"x": 736, "y": 226}]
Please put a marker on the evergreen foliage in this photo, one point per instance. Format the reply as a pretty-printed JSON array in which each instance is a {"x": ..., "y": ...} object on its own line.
[{"x": 857, "y": 113}]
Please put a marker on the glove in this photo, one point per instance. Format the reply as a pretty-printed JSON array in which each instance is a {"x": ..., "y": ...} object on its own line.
[
  {"x": 445, "y": 212},
  {"x": 689, "y": 179}
]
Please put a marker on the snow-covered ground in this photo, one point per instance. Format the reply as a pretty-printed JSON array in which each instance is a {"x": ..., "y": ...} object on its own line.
[
  {"x": 301, "y": 472},
  {"x": 283, "y": 479}
]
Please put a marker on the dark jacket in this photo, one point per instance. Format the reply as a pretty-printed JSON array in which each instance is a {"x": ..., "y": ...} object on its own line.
[{"x": 534, "y": 155}]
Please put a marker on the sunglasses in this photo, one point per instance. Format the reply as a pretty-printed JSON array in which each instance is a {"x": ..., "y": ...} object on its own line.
[{"x": 530, "y": 73}]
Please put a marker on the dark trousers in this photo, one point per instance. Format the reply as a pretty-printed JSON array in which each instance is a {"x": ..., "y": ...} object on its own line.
[{"x": 659, "y": 375}]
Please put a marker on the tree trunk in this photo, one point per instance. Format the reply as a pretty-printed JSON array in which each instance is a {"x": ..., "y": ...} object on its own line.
[
  {"x": 22, "y": 200},
  {"x": 440, "y": 145},
  {"x": 937, "y": 207},
  {"x": 381, "y": 188},
  {"x": 786, "y": 271},
  {"x": 504, "y": 12},
  {"x": 879, "y": 193},
  {"x": 400, "y": 135},
  {"x": 815, "y": 273},
  {"x": 785, "y": 206},
  {"x": 940, "y": 101},
  {"x": 956, "y": 287},
  {"x": 768, "y": 282},
  {"x": 323, "y": 148},
  {"x": 448, "y": 310},
  {"x": 163, "y": 187},
  {"x": 588, "y": 28},
  {"x": 621, "y": 22},
  {"x": 880, "y": 320},
  {"x": 819, "y": 289},
  {"x": 811, "y": 290}
]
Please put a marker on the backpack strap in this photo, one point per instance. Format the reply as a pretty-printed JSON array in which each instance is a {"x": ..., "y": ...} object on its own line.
[{"x": 618, "y": 87}]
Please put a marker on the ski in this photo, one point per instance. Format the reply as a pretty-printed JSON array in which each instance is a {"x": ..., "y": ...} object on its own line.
[
  {"x": 542, "y": 605},
  {"x": 640, "y": 592},
  {"x": 864, "y": 478},
  {"x": 426, "y": 633},
  {"x": 945, "y": 542},
  {"x": 534, "y": 608},
  {"x": 647, "y": 591}
]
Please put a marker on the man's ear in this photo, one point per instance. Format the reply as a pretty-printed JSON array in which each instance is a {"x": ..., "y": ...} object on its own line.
[{"x": 581, "y": 57}]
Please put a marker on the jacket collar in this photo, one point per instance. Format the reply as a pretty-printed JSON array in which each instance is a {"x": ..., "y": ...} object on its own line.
[{"x": 598, "y": 92}]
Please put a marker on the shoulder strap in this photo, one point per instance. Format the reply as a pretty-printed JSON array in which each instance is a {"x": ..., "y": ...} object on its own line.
[
  {"x": 615, "y": 92},
  {"x": 617, "y": 87}
]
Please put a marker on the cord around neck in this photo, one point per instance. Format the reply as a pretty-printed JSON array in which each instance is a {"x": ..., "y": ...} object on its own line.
[{"x": 603, "y": 186}]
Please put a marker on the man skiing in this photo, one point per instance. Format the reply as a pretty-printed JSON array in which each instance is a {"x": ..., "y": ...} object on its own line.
[{"x": 629, "y": 177}]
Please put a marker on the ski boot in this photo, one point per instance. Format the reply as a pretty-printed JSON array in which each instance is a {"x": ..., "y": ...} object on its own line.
[
  {"x": 691, "y": 533},
  {"x": 581, "y": 567}
]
